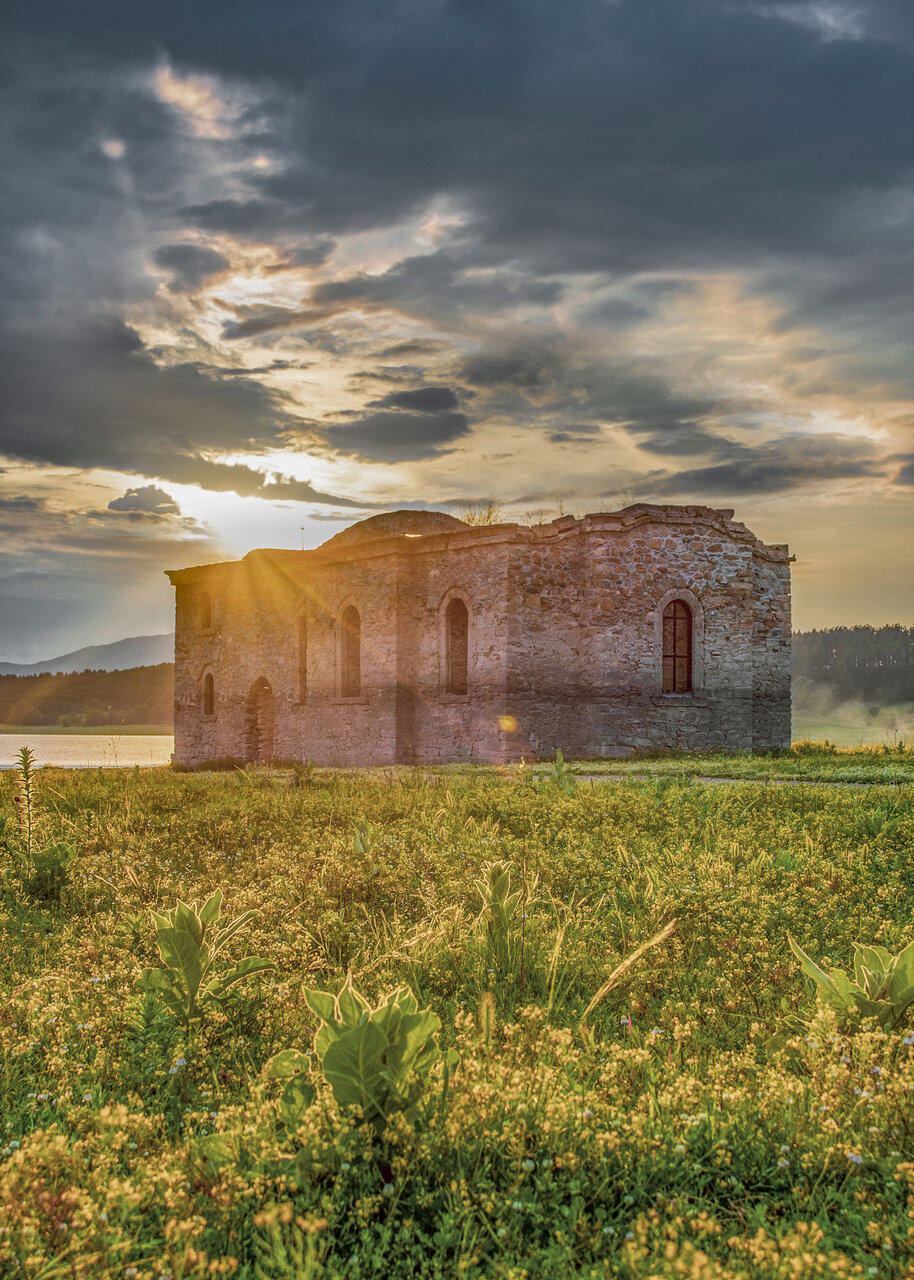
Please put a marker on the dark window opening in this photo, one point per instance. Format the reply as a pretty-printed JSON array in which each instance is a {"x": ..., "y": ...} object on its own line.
[
  {"x": 302, "y": 657},
  {"x": 457, "y": 623},
  {"x": 206, "y": 611},
  {"x": 260, "y": 716},
  {"x": 209, "y": 696},
  {"x": 351, "y": 653},
  {"x": 677, "y": 647}
]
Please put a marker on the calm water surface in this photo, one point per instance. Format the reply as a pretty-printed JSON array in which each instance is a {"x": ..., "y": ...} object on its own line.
[{"x": 81, "y": 750}]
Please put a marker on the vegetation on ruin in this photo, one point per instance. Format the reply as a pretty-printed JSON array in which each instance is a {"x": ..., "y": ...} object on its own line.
[{"x": 448, "y": 1068}]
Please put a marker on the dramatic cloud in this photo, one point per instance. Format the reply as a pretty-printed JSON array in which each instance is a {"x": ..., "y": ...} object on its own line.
[
  {"x": 394, "y": 437},
  {"x": 340, "y": 256},
  {"x": 150, "y": 500},
  {"x": 191, "y": 264}
]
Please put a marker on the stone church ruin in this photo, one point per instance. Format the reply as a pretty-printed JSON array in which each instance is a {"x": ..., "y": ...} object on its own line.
[{"x": 413, "y": 638}]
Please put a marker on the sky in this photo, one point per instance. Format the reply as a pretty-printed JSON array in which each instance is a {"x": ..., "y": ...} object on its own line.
[{"x": 268, "y": 269}]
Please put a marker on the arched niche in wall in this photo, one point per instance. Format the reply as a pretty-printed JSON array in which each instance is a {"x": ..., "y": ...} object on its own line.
[
  {"x": 208, "y": 695},
  {"x": 455, "y": 644},
  {"x": 301, "y": 656},
  {"x": 349, "y": 648}
]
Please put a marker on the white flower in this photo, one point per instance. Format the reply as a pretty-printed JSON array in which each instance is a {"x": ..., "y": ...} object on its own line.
[{"x": 854, "y": 1157}]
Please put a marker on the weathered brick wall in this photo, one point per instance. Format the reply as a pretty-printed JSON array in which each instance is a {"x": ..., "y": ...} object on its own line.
[{"x": 564, "y": 637}]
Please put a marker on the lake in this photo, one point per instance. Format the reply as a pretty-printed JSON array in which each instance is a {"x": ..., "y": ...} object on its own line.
[{"x": 85, "y": 750}]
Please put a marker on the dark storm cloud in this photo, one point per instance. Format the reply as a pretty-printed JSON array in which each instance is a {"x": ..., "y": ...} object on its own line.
[
  {"x": 109, "y": 405},
  {"x": 521, "y": 370},
  {"x": 398, "y": 437},
  {"x": 425, "y": 399},
  {"x": 905, "y": 474},
  {"x": 791, "y": 464},
  {"x": 190, "y": 264}
]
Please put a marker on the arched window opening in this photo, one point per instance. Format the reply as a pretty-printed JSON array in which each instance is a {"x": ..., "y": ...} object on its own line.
[
  {"x": 457, "y": 632},
  {"x": 209, "y": 695},
  {"x": 677, "y": 647},
  {"x": 302, "y": 656},
  {"x": 351, "y": 653},
  {"x": 206, "y": 611}
]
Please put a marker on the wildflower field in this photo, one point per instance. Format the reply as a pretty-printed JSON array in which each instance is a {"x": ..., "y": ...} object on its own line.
[{"x": 546, "y": 1100}]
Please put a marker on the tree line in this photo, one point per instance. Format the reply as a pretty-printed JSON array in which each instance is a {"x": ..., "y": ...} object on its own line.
[
  {"x": 138, "y": 695},
  {"x": 863, "y": 664}
]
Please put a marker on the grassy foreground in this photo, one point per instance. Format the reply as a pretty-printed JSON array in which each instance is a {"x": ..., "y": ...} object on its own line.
[{"x": 682, "y": 1131}]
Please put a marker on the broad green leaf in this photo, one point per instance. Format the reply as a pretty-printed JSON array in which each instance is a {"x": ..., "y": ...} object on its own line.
[
  {"x": 326, "y": 1036},
  {"x": 322, "y": 1003},
  {"x": 285, "y": 1064},
  {"x": 235, "y": 926},
  {"x": 185, "y": 917},
  {"x": 352, "y": 1065},
  {"x": 181, "y": 953},
  {"x": 351, "y": 1004},
  {"x": 903, "y": 973},
  {"x": 296, "y": 1098},
  {"x": 809, "y": 966},
  {"x": 209, "y": 912},
  {"x": 243, "y": 969},
  {"x": 901, "y": 1002},
  {"x": 155, "y": 980},
  {"x": 417, "y": 1031}
]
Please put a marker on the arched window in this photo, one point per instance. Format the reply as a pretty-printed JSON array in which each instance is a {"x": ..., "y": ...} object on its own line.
[
  {"x": 302, "y": 656},
  {"x": 206, "y": 611},
  {"x": 351, "y": 653},
  {"x": 457, "y": 632},
  {"x": 209, "y": 695},
  {"x": 677, "y": 647}
]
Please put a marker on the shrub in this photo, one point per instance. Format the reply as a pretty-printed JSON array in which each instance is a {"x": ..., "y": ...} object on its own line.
[
  {"x": 189, "y": 943},
  {"x": 377, "y": 1058},
  {"x": 881, "y": 990}
]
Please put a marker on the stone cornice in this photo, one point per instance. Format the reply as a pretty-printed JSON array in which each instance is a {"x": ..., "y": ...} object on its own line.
[{"x": 283, "y": 562}]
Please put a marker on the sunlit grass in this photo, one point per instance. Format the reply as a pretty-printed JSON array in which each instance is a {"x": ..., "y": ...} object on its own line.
[{"x": 681, "y": 1132}]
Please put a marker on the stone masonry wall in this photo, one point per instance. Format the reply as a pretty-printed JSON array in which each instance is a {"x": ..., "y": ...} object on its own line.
[{"x": 564, "y": 641}]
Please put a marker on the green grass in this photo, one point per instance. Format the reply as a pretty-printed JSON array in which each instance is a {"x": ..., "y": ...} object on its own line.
[
  {"x": 684, "y": 1131},
  {"x": 805, "y": 762}
]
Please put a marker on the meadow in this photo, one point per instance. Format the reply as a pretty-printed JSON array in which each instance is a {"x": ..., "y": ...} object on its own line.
[{"x": 569, "y": 1104}]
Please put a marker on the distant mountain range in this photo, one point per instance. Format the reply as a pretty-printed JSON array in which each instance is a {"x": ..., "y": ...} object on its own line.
[{"x": 135, "y": 651}]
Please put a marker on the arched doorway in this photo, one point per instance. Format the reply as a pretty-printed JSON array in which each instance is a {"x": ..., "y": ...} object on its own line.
[{"x": 259, "y": 719}]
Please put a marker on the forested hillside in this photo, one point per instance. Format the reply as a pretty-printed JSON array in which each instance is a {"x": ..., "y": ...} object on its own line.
[
  {"x": 864, "y": 664},
  {"x": 139, "y": 695}
]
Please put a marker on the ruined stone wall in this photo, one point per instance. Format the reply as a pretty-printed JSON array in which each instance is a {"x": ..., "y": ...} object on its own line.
[
  {"x": 257, "y": 604},
  {"x": 586, "y": 641},
  {"x": 564, "y": 639}
]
